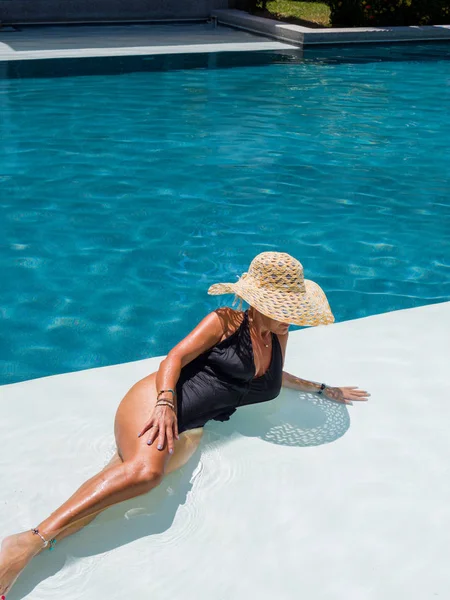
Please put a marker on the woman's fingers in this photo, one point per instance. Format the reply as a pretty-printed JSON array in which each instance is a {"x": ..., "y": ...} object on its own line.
[
  {"x": 165, "y": 427},
  {"x": 153, "y": 433},
  {"x": 146, "y": 427},
  {"x": 354, "y": 393},
  {"x": 175, "y": 429},
  {"x": 161, "y": 436},
  {"x": 360, "y": 394},
  {"x": 345, "y": 394},
  {"x": 169, "y": 436}
]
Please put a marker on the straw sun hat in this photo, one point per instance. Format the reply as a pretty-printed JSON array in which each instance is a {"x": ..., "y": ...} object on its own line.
[{"x": 275, "y": 286}]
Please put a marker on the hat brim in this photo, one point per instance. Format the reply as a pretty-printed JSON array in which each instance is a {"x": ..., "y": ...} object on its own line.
[{"x": 310, "y": 308}]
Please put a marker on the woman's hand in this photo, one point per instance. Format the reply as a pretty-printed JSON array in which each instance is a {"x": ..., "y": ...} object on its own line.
[
  {"x": 345, "y": 395},
  {"x": 163, "y": 423}
]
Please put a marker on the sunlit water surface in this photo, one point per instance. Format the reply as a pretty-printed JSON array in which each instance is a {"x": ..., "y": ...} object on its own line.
[{"x": 124, "y": 197}]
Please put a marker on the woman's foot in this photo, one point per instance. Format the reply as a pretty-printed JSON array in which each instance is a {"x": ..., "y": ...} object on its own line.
[{"x": 16, "y": 552}]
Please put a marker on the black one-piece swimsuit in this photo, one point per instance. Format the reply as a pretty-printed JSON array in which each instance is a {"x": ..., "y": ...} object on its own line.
[{"x": 217, "y": 382}]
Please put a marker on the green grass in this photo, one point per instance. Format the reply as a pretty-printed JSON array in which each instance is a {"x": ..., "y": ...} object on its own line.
[{"x": 293, "y": 11}]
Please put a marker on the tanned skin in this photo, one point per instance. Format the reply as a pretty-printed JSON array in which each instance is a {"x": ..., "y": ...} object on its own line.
[{"x": 139, "y": 465}]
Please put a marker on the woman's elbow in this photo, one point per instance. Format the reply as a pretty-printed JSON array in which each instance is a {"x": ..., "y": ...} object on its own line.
[{"x": 171, "y": 362}]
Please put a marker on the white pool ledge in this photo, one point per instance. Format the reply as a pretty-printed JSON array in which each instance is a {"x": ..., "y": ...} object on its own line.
[
  {"x": 299, "y": 497},
  {"x": 82, "y": 41}
]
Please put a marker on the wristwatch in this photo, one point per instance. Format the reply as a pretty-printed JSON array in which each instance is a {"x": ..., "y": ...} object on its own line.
[{"x": 322, "y": 387}]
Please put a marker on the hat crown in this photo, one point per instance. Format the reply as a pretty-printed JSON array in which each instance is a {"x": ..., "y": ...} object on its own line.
[
  {"x": 275, "y": 286},
  {"x": 278, "y": 271}
]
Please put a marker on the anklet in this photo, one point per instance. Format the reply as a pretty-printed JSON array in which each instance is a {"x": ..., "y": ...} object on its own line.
[{"x": 52, "y": 542}]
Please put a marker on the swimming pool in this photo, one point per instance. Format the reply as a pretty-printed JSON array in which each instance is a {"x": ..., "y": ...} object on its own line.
[{"x": 125, "y": 196}]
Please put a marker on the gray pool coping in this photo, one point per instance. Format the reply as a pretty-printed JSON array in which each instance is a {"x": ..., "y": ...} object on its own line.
[
  {"x": 58, "y": 41},
  {"x": 302, "y": 36},
  {"x": 237, "y": 32}
]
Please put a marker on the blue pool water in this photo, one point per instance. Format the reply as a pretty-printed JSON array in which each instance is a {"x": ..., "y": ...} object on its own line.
[{"x": 124, "y": 197}]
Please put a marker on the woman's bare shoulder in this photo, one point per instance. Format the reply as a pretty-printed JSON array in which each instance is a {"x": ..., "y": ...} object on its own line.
[{"x": 231, "y": 319}]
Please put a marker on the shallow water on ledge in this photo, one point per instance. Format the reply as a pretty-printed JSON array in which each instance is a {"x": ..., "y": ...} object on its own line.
[{"x": 124, "y": 197}]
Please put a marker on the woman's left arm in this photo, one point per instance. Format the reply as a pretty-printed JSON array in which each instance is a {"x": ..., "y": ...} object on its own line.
[
  {"x": 344, "y": 395},
  {"x": 339, "y": 394}
]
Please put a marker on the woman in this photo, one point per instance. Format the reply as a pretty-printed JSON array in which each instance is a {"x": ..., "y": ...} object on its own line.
[{"x": 232, "y": 358}]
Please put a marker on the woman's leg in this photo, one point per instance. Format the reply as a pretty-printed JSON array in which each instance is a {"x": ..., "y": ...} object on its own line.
[
  {"x": 71, "y": 529},
  {"x": 188, "y": 443},
  {"x": 141, "y": 469}
]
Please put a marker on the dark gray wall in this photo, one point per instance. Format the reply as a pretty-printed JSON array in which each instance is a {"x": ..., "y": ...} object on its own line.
[{"x": 48, "y": 11}]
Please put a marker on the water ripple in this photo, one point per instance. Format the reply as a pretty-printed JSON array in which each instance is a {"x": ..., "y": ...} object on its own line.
[{"x": 119, "y": 212}]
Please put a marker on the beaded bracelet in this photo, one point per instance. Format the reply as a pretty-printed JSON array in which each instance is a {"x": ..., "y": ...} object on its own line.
[
  {"x": 165, "y": 403},
  {"x": 50, "y": 543},
  {"x": 322, "y": 387}
]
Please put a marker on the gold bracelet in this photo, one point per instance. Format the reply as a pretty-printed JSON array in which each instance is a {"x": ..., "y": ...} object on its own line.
[
  {"x": 165, "y": 403},
  {"x": 165, "y": 400}
]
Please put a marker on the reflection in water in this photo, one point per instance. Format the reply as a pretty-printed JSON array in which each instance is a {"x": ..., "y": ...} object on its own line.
[{"x": 147, "y": 515}]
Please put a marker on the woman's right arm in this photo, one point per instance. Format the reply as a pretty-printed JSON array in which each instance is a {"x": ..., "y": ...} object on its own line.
[{"x": 163, "y": 420}]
